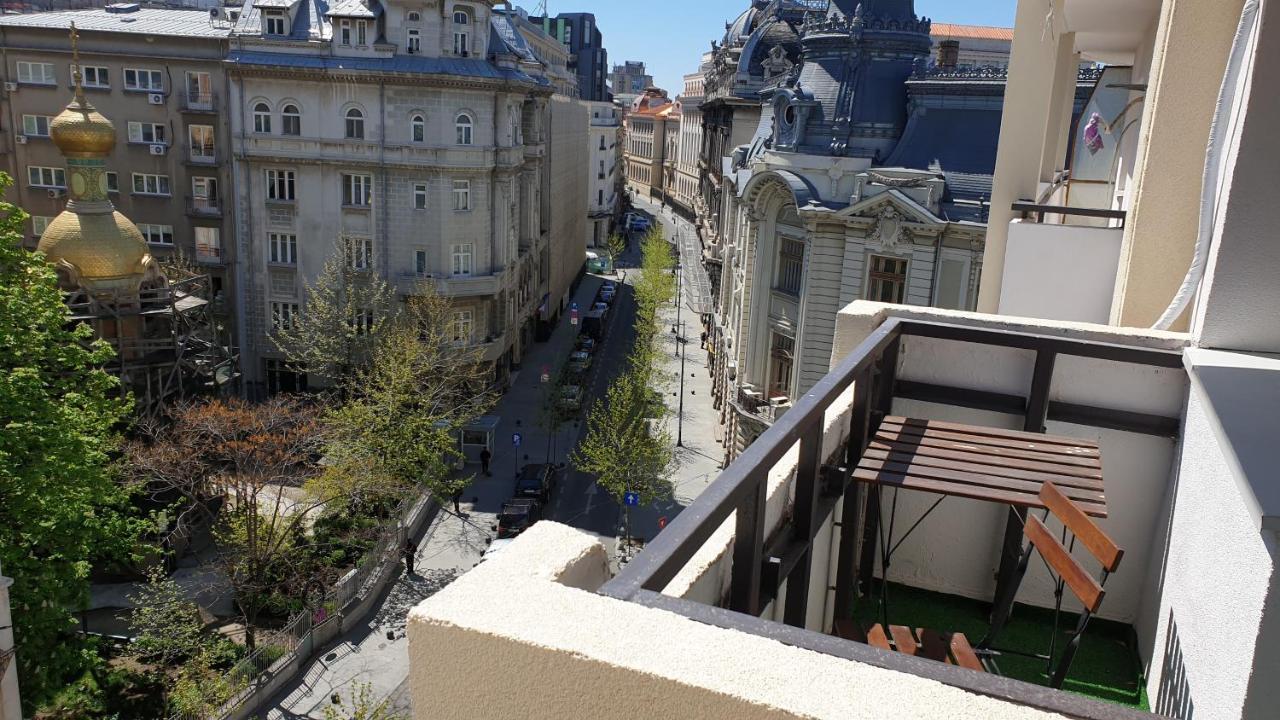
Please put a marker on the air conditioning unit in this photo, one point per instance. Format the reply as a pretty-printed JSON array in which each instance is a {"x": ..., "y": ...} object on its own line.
[
  {"x": 11, "y": 87},
  {"x": 21, "y": 139},
  {"x": 156, "y": 98},
  {"x": 56, "y": 192},
  {"x": 159, "y": 149}
]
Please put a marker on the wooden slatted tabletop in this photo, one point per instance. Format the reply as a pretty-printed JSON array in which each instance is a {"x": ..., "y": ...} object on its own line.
[{"x": 981, "y": 463}]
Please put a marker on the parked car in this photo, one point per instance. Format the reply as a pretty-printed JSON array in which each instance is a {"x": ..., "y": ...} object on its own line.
[
  {"x": 579, "y": 362},
  {"x": 607, "y": 292},
  {"x": 517, "y": 515},
  {"x": 586, "y": 343},
  {"x": 537, "y": 481},
  {"x": 600, "y": 307},
  {"x": 593, "y": 324},
  {"x": 599, "y": 262},
  {"x": 570, "y": 397}
]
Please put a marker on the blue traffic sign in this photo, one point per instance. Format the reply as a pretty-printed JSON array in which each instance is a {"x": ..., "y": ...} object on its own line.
[
  {"x": 573, "y": 306},
  {"x": 515, "y": 439},
  {"x": 631, "y": 499}
]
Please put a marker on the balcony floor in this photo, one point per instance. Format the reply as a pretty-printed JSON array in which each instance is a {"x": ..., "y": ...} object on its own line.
[{"x": 1106, "y": 667}]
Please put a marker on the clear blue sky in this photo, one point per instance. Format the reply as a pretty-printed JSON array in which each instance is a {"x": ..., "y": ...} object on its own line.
[{"x": 670, "y": 35}]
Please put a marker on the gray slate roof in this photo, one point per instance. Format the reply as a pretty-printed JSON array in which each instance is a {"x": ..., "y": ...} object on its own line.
[
  {"x": 353, "y": 8},
  {"x": 416, "y": 64},
  {"x": 144, "y": 21}
]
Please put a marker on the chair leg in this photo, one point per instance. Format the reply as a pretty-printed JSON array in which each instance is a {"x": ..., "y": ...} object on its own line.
[
  {"x": 1069, "y": 652},
  {"x": 1003, "y": 606}
]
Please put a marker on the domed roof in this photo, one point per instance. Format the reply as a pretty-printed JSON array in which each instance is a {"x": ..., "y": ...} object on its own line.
[
  {"x": 104, "y": 249},
  {"x": 79, "y": 130},
  {"x": 741, "y": 27}
]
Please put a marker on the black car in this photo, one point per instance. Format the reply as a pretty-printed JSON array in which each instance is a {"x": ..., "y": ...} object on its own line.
[
  {"x": 517, "y": 515},
  {"x": 536, "y": 481}
]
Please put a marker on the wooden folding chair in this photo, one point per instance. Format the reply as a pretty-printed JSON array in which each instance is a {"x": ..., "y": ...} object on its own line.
[{"x": 1067, "y": 573}]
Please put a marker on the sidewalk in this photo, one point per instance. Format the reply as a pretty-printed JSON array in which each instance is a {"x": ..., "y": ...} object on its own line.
[{"x": 377, "y": 651}]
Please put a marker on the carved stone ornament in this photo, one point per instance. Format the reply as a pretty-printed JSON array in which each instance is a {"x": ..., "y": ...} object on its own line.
[
  {"x": 890, "y": 228},
  {"x": 776, "y": 64}
]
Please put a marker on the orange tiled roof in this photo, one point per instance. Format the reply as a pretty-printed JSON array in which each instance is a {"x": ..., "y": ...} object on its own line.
[{"x": 976, "y": 32}]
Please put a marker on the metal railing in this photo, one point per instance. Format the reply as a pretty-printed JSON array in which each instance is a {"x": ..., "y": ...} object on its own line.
[
  {"x": 1030, "y": 208},
  {"x": 763, "y": 559},
  {"x": 200, "y": 101}
]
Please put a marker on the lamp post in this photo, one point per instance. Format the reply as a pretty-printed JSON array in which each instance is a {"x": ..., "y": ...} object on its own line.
[{"x": 683, "y": 350}]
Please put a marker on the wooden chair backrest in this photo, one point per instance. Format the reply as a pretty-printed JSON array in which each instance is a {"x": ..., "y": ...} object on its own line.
[{"x": 1083, "y": 585}]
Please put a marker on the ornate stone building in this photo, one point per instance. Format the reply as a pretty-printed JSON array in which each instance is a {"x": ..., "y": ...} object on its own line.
[{"x": 865, "y": 177}]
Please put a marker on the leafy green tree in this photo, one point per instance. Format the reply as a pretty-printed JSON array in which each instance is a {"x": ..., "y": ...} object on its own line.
[
  {"x": 362, "y": 705},
  {"x": 168, "y": 625},
  {"x": 348, "y": 309},
  {"x": 60, "y": 507}
]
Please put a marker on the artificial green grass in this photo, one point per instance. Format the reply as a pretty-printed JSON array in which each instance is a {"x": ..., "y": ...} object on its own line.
[{"x": 1106, "y": 666}]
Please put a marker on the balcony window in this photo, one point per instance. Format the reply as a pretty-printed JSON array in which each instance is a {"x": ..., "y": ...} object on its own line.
[
  {"x": 284, "y": 314},
  {"x": 201, "y": 142},
  {"x": 355, "y": 124},
  {"x": 464, "y": 327},
  {"x": 359, "y": 252},
  {"x": 280, "y": 185},
  {"x": 142, "y": 80},
  {"x": 283, "y": 248},
  {"x": 290, "y": 120},
  {"x": 156, "y": 234},
  {"x": 262, "y": 118},
  {"x": 461, "y": 41},
  {"x": 199, "y": 90},
  {"x": 150, "y": 184},
  {"x": 781, "y": 365},
  {"x": 34, "y": 73},
  {"x": 790, "y": 265},
  {"x": 463, "y": 126},
  {"x": 463, "y": 256},
  {"x": 887, "y": 280},
  {"x": 148, "y": 133},
  {"x": 461, "y": 194},
  {"x": 35, "y": 125},
  {"x": 208, "y": 244},
  {"x": 418, "y": 128},
  {"x": 204, "y": 193},
  {"x": 357, "y": 190}
]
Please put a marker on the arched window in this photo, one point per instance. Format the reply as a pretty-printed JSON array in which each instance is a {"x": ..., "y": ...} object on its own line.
[
  {"x": 261, "y": 118},
  {"x": 461, "y": 32},
  {"x": 419, "y": 128},
  {"x": 290, "y": 120},
  {"x": 463, "y": 125},
  {"x": 355, "y": 124},
  {"x": 461, "y": 17}
]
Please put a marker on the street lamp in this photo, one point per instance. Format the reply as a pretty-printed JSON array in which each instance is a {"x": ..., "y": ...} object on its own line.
[{"x": 682, "y": 348}]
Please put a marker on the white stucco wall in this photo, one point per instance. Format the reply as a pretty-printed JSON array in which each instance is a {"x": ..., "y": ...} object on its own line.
[{"x": 1060, "y": 272}]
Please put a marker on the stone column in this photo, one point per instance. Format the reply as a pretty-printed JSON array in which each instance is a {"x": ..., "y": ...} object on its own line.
[{"x": 10, "y": 705}]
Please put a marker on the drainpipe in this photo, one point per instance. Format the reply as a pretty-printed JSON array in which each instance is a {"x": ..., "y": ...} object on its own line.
[{"x": 245, "y": 260}]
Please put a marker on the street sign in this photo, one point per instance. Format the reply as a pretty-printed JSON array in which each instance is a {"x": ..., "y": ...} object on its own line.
[
  {"x": 632, "y": 499},
  {"x": 573, "y": 306},
  {"x": 546, "y": 373},
  {"x": 573, "y": 317},
  {"x": 515, "y": 439}
]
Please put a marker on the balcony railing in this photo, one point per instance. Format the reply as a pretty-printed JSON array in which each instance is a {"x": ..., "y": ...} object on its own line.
[
  {"x": 860, "y": 390},
  {"x": 1040, "y": 211},
  {"x": 200, "y": 102},
  {"x": 204, "y": 206},
  {"x": 202, "y": 155},
  {"x": 207, "y": 254}
]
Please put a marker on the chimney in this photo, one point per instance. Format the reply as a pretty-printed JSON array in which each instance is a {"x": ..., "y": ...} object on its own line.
[{"x": 948, "y": 54}]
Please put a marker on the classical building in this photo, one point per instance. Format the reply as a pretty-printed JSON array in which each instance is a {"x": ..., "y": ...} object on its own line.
[
  {"x": 646, "y": 134},
  {"x": 685, "y": 193},
  {"x": 554, "y": 54},
  {"x": 670, "y": 149},
  {"x": 874, "y": 194},
  {"x": 629, "y": 80},
  {"x": 587, "y": 55},
  {"x": 604, "y": 170},
  {"x": 412, "y": 139},
  {"x": 171, "y": 162}
]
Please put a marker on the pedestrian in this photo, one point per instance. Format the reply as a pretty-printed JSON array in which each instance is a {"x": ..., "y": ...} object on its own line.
[
  {"x": 704, "y": 339},
  {"x": 410, "y": 554},
  {"x": 485, "y": 457},
  {"x": 457, "y": 496}
]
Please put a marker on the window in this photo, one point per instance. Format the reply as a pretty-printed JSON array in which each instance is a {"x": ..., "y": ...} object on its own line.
[
  {"x": 344, "y": 32},
  {"x": 599, "y": 197},
  {"x": 113, "y": 182},
  {"x": 781, "y": 362},
  {"x": 47, "y": 177},
  {"x": 568, "y": 34},
  {"x": 464, "y": 326},
  {"x": 461, "y": 38},
  {"x": 359, "y": 252},
  {"x": 92, "y": 76},
  {"x": 461, "y": 194},
  {"x": 790, "y": 265},
  {"x": 280, "y": 185},
  {"x": 199, "y": 90},
  {"x": 35, "y": 73},
  {"x": 355, "y": 124},
  {"x": 148, "y": 184},
  {"x": 290, "y": 120},
  {"x": 362, "y": 322},
  {"x": 413, "y": 45},
  {"x": 39, "y": 223},
  {"x": 261, "y": 118},
  {"x": 284, "y": 315},
  {"x": 275, "y": 23},
  {"x": 357, "y": 190},
  {"x": 463, "y": 125},
  {"x": 419, "y": 196},
  {"x": 156, "y": 234},
  {"x": 283, "y": 248},
  {"x": 204, "y": 193},
  {"x": 200, "y": 138},
  {"x": 420, "y": 262},
  {"x": 35, "y": 125},
  {"x": 602, "y": 142},
  {"x": 462, "y": 259},
  {"x": 140, "y": 132},
  {"x": 414, "y": 17},
  {"x": 418, "y": 126},
  {"x": 887, "y": 281},
  {"x": 283, "y": 377},
  {"x": 208, "y": 244},
  {"x": 143, "y": 80},
  {"x": 361, "y": 30}
]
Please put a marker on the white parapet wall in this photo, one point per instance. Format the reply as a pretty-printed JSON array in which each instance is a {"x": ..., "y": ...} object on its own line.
[
  {"x": 1060, "y": 272},
  {"x": 524, "y": 635},
  {"x": 10, "y": 704}
]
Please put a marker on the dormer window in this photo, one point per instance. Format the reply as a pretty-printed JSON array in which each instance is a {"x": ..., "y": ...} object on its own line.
[
  {"x": 344, "y": 32},
  {"x": 413, "y": 43},
  {"x": 361, "y": 30},
  {"x": 414, "y": 17},
  {"x": 461, "y": 33},
  {"x": 274, "y": 23}
]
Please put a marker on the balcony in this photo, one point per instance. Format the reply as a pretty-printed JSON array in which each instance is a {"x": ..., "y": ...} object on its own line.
[
  {"x": 204, "y": 206},
  {"x": 200, "y": 103},
  {"x": 207, "y": 254},
  {"x": 731, "y": 607},
  {"x": 201, "y": 155},
  {"x": 460, "y": 286}
]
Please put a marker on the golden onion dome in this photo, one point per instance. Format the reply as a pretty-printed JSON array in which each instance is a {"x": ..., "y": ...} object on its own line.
[
  {"x": 81, "y": 131},
  {"x": 105, "y": 249}
]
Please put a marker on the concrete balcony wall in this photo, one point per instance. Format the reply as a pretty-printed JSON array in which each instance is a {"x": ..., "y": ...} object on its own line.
[
  {"x": 523, "y": 635},
  {"x": 1060, "y": 272}
]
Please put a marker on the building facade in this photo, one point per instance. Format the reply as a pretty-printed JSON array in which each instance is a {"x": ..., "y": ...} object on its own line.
[
  {"x": 411, "y": 140},
  {"x": 646, "y": 135},
  {"x": 971, "y": 46},
  {"x": 587, "y": 54},
  {"x": 670, "y": 150},
  {"x": 629, "y": 80},
  {"x": 171, "y": 167},
  {"x": 604, "y": 145},
  {"x": 685, "y": 192}
]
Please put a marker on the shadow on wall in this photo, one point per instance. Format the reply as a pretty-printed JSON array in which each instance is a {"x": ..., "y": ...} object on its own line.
[{"x": 1175, "y": 694}]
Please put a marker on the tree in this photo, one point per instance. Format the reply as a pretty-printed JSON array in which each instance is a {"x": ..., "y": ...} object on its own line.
[
  {"x": 60, "y": 508},
  {"x": 168, "y": 625},
  {"x": 348, "y": 310},
  {"x": 399, "y": 426},
  {"x": 363, "y": 706}
]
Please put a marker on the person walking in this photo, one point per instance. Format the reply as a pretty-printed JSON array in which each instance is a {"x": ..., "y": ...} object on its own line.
[
  {"x": 457, "y": 497},
  {"x": 485, "y": 457},
  {"x": 410, "y": 554}
]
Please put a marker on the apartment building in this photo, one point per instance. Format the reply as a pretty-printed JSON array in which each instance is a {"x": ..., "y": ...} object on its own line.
[
  {"x": 587, "y": 55},
  {"x": 646, "y": 136},
  {"x": 629, "y": 80},
  {"x": 684, "y": 196},
  {"x": 159, "y": 74},
  {"x": 606, "y": 165},
  {"x": 670, "y": 150},
  {"x": 411, "y": 139}
]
